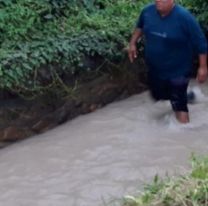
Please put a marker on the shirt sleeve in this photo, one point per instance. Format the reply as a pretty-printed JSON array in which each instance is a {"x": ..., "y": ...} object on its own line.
[
  {"x": 196, "y": 35},
  {"x": 140, "y": 21}
]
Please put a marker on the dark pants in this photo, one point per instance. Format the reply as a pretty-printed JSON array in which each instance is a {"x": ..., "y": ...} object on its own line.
[{"x": 174, "y": 89}]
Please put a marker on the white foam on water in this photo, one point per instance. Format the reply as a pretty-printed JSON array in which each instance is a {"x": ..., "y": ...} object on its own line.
[{"x": 198, "y": 94}]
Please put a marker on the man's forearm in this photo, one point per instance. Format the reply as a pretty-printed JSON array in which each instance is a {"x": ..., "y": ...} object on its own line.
[
  {"x": 202, "y": 71},
  {"x": 135, "y": 36},
  {"x": 203, "y": 60}
]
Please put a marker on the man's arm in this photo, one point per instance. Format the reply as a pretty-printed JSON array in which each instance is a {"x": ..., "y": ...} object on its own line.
[
  {"x": 132, "y": 51},
  {"x": 199, "y": 43},
  {"x": 202, "y": 70}
]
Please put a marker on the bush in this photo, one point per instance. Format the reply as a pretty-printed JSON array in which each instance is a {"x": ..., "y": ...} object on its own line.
[
  {"x": 199, "y": 8},
  {"x": 36, "y": 36},
  {"x": 43, "y": 33}
]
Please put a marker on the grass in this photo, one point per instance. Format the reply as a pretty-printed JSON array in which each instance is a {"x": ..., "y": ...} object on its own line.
[{"x": 187, "y": 190}]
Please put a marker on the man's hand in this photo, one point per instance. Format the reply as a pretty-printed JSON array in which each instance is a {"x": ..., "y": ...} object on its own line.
[
  {"x": 132, "y": 51},
  {"x": 202, "y": 74}
]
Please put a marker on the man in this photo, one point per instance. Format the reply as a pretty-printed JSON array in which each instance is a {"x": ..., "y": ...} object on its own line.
[{"x": 172, "y": 38}]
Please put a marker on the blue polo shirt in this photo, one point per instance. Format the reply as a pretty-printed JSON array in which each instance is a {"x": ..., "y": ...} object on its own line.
[{"x": 171, "y": 41}]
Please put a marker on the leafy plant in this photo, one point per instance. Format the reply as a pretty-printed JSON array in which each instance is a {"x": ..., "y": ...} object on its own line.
[{"x": 42, "y": 38}]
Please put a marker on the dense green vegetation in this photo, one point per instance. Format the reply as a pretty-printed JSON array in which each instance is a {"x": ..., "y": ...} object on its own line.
[
  {"x": 187, "y": 190},
  {"x": 58, "y": 32},
  {"x": 199, "y": 8},
  {"x": 43, "y": 40}
]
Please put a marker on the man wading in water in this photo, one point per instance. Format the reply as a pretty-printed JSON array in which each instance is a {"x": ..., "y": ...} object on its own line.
[{"x": 172, "y": 37}]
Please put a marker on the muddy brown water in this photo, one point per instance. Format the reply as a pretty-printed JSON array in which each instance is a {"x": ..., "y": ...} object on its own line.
[{"x": 98, "y": 158}]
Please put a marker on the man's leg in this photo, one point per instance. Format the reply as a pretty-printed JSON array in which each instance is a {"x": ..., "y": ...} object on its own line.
[
  {"x": 159, "y": 88},
  {"x": 178, "y": 98},
  {"x": 182, "y": 117}
]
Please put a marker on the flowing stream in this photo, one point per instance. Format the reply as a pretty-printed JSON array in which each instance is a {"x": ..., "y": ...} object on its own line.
[{"x": 98, "y": 158}]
